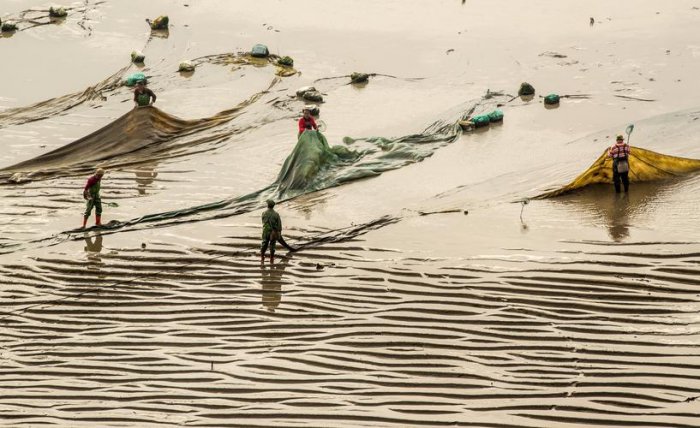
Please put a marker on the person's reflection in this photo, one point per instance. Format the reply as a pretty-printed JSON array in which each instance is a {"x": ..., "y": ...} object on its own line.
[
  {"x": 618, "y": 218},
  {"x": 93, "y": 248},
  {"x": 308, "y": 204},
  {"x": 613, "y": 210},
  {"x": 619, "y": 212},
  {"x": 271, "y": 281},
  {"x": 145, "y": 176}
]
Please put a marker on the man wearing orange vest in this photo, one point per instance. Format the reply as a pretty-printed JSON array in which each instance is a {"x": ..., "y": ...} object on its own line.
[{"x": 620, "y": 153}]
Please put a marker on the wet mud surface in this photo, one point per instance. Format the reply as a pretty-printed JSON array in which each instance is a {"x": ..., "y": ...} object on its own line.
[{"x": 432, "y": 287}]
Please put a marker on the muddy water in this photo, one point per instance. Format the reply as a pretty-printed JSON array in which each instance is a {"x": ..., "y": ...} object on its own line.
[{"x": 425, "y": 296}]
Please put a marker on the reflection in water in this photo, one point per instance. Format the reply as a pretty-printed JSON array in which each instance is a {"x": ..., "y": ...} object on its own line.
[
  {"x": 307, "y": 204},
  {"x": 271, "y": 280},
  {"x": 359, "y": 86},
  {"x": 144, "y": 178},
  {"x": 93, "y": 248},
  {"x": 523, "y": 226},
  {"x": 618, "y": 211},
  {"x": 160, "y": 34},
  {"x": 618, "y": 221},
  {"x": 57, "y": 20}
]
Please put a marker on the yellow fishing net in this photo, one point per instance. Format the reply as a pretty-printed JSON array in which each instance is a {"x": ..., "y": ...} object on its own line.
[{"x": 644, "y": 165}]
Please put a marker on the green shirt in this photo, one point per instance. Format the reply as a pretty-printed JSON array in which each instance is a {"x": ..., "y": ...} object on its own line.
[
  {"x": 143, "y": 98},
  {"x": 95, "y": 190},
  {"x": 271, "y": 219},
  {"x": 92, "y": 188}
]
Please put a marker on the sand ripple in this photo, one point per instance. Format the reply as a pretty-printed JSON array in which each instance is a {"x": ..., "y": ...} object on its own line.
[{"x": 168, "y": 336}]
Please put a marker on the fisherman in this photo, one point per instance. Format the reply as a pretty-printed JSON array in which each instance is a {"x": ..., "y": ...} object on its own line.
[
  {"x": 272, "y": 230},
  {"x": 307, "y": 122},
  {"x": 620, "y": 153},
  {"x": 91, "y": 194},
  {"x": 143, "y": 95}
]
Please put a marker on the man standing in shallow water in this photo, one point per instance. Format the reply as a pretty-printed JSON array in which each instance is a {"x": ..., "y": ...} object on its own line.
[
  {"x": 620, "y": 153},
  {"x": 272, "y": 230},
  {"x": 143, "y": 95},
  {"x": 91, "y": 194},
  {"x": 307, "y": 122}
]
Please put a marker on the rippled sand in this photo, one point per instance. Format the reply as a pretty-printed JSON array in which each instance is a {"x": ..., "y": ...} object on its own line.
[{"x": 426, "y": 295}]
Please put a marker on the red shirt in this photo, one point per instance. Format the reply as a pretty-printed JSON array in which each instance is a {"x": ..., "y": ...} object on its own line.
[
  {"x": 619, "y": 150},
  {"x": 305, "y": 124},
  {"x": 91, "y": 182}
]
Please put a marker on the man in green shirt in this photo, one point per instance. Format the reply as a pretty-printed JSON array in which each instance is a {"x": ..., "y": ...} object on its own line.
[
  {"x": 272, "y": 230},
  {"x": 143, "y": 95}
]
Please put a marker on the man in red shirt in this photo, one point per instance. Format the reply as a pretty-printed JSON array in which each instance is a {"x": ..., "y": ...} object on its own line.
[
  {"x": 91, "y": 194},
  {"x": 620, "y": 153},
  {"x": 307, "y": 122}
]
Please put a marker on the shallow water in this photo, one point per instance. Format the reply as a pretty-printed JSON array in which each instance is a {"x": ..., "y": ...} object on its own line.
[{"x": 427, "y": 295}]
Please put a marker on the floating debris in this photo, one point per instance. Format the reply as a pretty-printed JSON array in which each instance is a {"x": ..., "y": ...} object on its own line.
[
  {"x": 526, "y": 89},
  {"x": 359, "y": 78},
  {"x": 18, "y": 177},
  {"x": 132, "y": 79},
  {"x": 186, "y": 66},
  {"x": 496, "y": 116},
  {"x": 481, "y": 120},
  {"x": 286, "y": 61},
  {"x": 627, "y": 97},
  {"x": 160, "y": 23},
  {"x": 313, "y": 96},
  {"x": 310, "y": 93},
  {"x": 57, "y": 12},
  {"x": 8, "y": 27},
  {"x": 466, "y": 125},
  {"x": 552, "y": 99},
  {"x": 137, "y": 57},
  {"x": 301, "y": 91},
  {"x": 260, "y": 51},
  {"x": 553, "y": 54}
]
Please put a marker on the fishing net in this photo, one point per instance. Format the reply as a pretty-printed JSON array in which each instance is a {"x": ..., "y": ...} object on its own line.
[
  {"x": 146, "y": 134},
  {"x": 311, "y": 155},
  {"x": 138, "y": 137},
  {"x": 644, "y": 165}
]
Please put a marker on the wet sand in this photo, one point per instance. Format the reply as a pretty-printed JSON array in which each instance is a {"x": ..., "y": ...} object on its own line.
[{"x": 575, "y": 311}]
